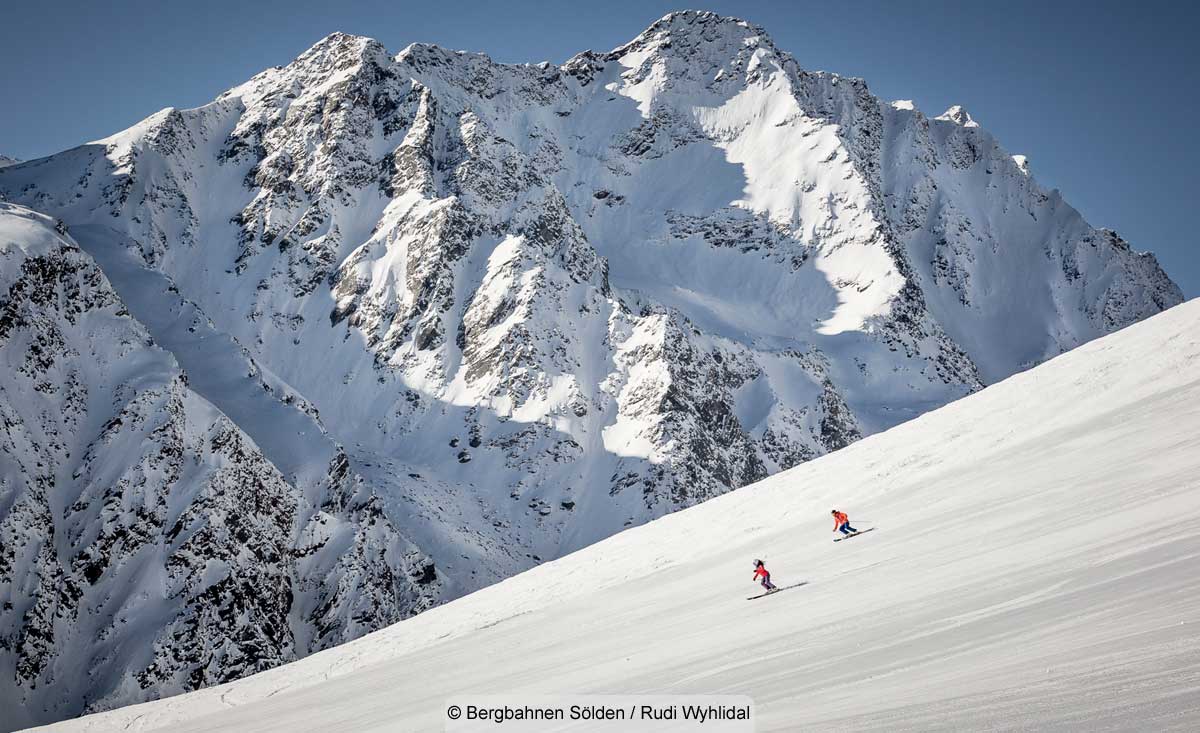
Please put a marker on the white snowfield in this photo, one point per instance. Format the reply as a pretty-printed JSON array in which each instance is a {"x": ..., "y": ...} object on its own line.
[{"x": 1036, "y": 565}]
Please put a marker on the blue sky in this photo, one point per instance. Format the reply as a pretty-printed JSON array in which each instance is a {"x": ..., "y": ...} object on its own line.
[{"x": 1102, "y": 96}]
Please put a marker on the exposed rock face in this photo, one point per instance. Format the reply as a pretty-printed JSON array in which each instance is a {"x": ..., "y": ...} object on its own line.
[
  {"x": 476, "y": 315},
  {"x": 146, "y": 544}
]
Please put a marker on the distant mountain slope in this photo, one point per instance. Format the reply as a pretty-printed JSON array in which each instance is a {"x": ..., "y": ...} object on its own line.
[
  {"x": 145, "y": 541},
  {"x": 1033, "y": 562},
  {"x": 505, "y": 311}
]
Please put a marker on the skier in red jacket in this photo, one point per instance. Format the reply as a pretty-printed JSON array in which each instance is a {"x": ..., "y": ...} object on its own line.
[
  {"x": 842, "y": 522},
  {"x": 760, "y": 570}
]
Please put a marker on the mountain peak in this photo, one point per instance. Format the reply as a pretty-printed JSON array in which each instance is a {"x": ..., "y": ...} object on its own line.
[
  {"x": 694, "y": 27},
  {"x": 339, "y": 40},
  {"x": 342, "y": 50},
  {"x": 959, "y": 116},
  {"x": 690, "y": 19}
]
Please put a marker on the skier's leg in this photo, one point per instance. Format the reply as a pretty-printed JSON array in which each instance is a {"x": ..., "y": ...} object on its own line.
[
  {"x": 845, "y": 528},
  {"x": 852, "y": 529}
]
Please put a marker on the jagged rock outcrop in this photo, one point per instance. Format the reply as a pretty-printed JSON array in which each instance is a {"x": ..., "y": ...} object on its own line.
[{"x": 146, "y": 544}]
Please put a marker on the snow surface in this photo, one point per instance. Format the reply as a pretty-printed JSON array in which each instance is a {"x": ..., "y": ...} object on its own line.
[{"x": 1034, "y": 566}]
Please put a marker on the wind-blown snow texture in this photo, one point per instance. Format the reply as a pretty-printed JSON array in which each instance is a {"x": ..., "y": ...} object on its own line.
[
  {"x": 1033, "y": 568},
  {"x": 475, "y": 316}
]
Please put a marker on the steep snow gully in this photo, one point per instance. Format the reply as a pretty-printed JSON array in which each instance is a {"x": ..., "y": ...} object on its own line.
[{"x": 1034, "y": 567}]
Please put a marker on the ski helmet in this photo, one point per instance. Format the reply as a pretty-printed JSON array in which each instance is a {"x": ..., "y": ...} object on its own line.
[{"x": 757, "y": 563}]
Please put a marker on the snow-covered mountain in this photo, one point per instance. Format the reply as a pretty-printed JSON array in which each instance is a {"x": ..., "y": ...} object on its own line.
[
  {"x": 7, "y": 161},
  {"x": 145, "y": 541},
  {"x": 475, "y": 316},
  {"x": 1032, "y": 566}
]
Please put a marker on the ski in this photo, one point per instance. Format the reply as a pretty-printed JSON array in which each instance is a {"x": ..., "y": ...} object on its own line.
[
  {"x": 846, "y": 537},
  {"x": 777, "y": 590}
]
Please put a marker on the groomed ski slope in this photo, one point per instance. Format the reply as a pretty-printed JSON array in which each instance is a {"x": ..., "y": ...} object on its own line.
[{"x": 1036, "y": 565}]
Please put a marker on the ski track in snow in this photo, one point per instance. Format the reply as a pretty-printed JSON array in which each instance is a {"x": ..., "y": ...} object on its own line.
[{"x": 1038, "y": 571}]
